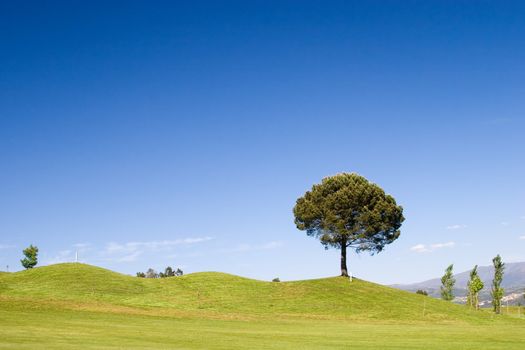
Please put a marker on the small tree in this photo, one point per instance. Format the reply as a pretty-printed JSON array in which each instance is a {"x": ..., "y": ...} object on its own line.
[
  {"x": 497, "y": 290},
  {"x": 31, "y": 257},
  {"x": 422, "y": 292},
  {"x": 151, "y": 273},
  {"x": 276, "y": 279},
  {"x": 475, "y": 284},
  {"x": 141, "y": 274},
  {"x": 447, "y": 284},
  {"x": 168, "y": 272},
  {"x": 347, "y": 211},
  {"x": 179, "y": 272}
]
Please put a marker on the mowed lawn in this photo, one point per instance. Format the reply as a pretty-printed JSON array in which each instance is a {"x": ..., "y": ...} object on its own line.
[{"x": 78, "y": 306}]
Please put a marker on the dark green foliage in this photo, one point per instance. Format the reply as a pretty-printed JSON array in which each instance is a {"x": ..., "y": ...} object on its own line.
[
  {"x": 422, "y": 292},
  {"x": 31, "y": 257},
  {"x": 151, "y": 273},
  {"x": 497, "y": 291},
  {"x": 447, "y": 284},
  {"x": 276, "y": 279},
  {"x": 347, "y": 211},
  {"x": 168, "y": 272},
  {"x": 475, "y": 284}
]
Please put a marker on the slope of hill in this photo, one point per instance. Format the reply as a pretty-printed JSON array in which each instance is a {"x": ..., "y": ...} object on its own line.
[
  {"x": 513, "y": 282},
  {"x": 75, "y": 306},
  {"x": 215, "y": 294}
]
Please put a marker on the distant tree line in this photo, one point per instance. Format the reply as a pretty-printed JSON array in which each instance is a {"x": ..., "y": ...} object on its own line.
[
  {"x": 475, "y": 285},
  {"x": 168, "y": 272}
]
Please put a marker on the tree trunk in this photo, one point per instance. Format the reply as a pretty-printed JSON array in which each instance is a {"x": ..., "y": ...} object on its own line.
[{"x": 344, "y": 269}]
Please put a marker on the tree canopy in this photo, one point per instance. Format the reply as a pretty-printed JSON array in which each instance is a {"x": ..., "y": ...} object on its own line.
[
  {"x": 347, "y": 211},
  {"x": 447, "y": 284},
  {"x": 497, "y": 291},
  {"x": 31, "y": 257},
  {"x": 474, "y": 285}
]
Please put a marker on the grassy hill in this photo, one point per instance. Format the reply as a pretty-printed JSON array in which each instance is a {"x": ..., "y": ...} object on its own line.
[{"x": 91, "y": 299}]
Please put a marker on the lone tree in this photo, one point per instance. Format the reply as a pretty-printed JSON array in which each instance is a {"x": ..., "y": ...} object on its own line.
[
  {"x": 475, "y": 284},
  {"x": 447, "y": 284},
  {"x": 497, "y": 290},
  {"x": 347, "y": 211},
  {"x": 31, "y": 257}
]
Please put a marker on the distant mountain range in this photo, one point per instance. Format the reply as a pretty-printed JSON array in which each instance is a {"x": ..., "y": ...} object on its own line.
[{"x": 513, "y": 283}]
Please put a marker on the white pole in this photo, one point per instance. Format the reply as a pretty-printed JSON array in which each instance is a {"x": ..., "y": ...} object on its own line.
[{"x": 76, "y": 256}]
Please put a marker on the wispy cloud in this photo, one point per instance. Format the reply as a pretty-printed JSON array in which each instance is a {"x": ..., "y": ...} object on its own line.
[
  {"x": 82, "y": 245},
  {"x": 442, "y": 245},
  {"x": 456, "y": 227},
  {"x": 6, "y": 246},
  {"x": 423, "y": 248},
  {"x": 241, "y": 248},
  {"x": 505, "y": 223},
  {"x": 419, "y": 248},
  {"x": 61, "y": 257},
  {"x": 522, "y": 238},
  {"x": 130, "y": 251}
]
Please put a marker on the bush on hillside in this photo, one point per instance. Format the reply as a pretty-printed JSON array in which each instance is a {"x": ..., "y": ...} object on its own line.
[
  {"x": 168, "y": 272},
  {"x": 276, "y": 279},
  {"x": 422, "y": 292},
  {"x": 151, "y": 273}
]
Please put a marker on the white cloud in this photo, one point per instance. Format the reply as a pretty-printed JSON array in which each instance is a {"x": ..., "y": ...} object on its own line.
[
  {"x": 130, "y": 251},
  {"x": 442, "y": 245},
  {"x": 62, "y": 257},
  {"x": 504, "y": 223},
  {"x": 6, "y": 246},
  {"x": 129, "y": 257},
  {"x": 419, "y": 248},
  {"x": 82, "y": 245},
  {"x": 422, "y": 248},
  {"x": 522, "y": 238},
  {"x": 241, "y": 248},
  {"x": 456, "y": 227}
]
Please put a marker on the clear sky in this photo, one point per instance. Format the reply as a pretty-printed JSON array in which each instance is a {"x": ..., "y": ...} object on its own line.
[{"x": 181, "y": 133}]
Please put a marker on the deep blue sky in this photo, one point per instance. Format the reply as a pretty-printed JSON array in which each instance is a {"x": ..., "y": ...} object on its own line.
[{"x": 181, "y": 133}]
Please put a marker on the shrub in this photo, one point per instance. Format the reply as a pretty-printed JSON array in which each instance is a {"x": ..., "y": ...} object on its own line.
[
  {"x": 422, "y": 292},
  {"x": 151, "y": 273},
  {"x": 276, "y": 279},
  {"x": 168, "y": 272}
]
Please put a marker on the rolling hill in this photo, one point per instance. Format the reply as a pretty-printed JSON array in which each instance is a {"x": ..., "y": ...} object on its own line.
[
  {"x": 82, "y": 306},
  {"x": 213, "y": 293}
]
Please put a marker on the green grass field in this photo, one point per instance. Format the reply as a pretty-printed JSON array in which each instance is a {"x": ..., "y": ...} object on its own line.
[{"x": 81, "y": 306}]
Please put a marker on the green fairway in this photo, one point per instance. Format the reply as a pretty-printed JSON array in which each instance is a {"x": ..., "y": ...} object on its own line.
[{"x": 81, "y": 306}]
